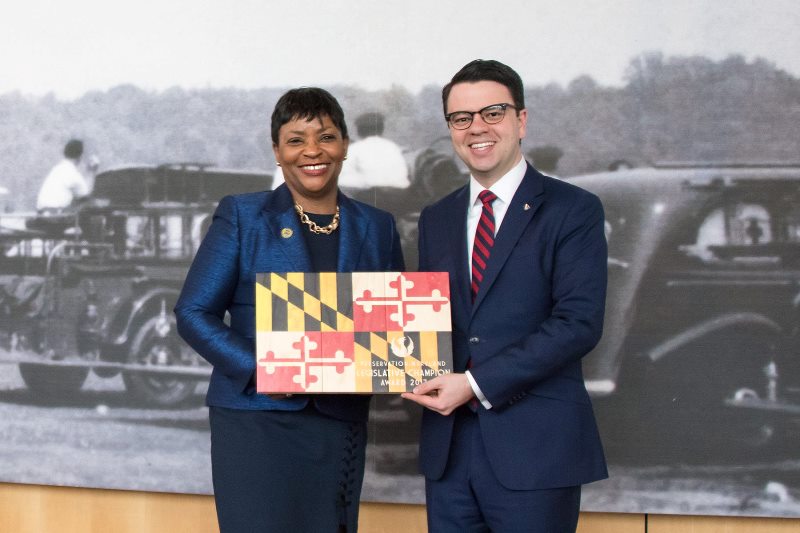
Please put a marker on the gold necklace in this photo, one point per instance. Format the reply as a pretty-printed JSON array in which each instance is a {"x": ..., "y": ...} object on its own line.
[{"x": 325, "y": 230}]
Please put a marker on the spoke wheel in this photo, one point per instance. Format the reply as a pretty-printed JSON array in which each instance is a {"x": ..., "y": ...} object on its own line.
[{"x": 151, "y": 349}]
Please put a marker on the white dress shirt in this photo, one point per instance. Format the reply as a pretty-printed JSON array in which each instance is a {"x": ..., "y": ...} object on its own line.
[{"x": 504, "y": 189}]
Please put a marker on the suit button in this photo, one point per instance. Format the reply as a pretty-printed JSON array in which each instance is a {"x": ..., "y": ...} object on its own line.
[{"x": 474, "y": 340}]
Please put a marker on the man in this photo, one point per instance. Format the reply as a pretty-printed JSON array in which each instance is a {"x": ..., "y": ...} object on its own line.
[
  {"x": 510, "y": 436},
  {"x": 64, "y": 183},
  {"x": 373, "y": 161}
]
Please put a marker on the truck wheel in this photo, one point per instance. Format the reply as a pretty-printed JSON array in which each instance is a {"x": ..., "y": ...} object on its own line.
[
  {"x": 684, "y": 402},
  {"x": 151, "y": 349},
  {"x": 52, "y": 382}
]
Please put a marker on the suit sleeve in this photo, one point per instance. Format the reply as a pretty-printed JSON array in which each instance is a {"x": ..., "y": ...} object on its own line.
[
  {"x": 207, "y": 294},
  {"x": 574, "y": 327}
]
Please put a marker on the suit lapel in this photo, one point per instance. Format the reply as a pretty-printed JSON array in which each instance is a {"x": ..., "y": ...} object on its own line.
[
  {"x": 283, "y": 227},
  {"x": 353, "y": 225},
  {"x": 531, "y": 194},
  {"x": 453, "y": 219}
]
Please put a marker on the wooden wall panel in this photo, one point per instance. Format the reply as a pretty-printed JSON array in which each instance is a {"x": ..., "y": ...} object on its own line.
[
  {"x": 391, "y": 518},
  {"x": 46, "y": 509},
  {"x": 720, "y": 524},
  {"x": 611, "y": 523}
]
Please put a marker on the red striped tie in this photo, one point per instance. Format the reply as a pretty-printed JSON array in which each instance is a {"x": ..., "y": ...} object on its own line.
[{"x": 484, "y": 240}]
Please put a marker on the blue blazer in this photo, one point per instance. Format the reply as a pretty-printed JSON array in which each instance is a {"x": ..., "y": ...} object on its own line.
[
  {"x": 539, "y": 311},
  {"x": 247, "y": 237}
]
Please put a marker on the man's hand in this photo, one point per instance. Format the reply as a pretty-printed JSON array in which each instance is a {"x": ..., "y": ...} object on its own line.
[{"x": 443, "y": 394}]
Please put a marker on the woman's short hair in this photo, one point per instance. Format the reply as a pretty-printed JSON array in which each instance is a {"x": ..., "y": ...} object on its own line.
[{"x": 307, "y": 103}]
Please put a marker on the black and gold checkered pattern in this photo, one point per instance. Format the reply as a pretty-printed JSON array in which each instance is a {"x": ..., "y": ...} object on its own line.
[
  {"x": 392, "y": 369},
  {"x": 351, "y": 353},
  {"x": 304, "y": 301}
]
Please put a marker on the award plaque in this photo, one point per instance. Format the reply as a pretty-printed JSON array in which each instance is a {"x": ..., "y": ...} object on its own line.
[{"x": 359, "y": 332}]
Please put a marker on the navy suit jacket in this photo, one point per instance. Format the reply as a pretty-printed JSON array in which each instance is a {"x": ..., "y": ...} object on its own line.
[
  {"x": 538, "y": 312},
  {"x": 246, "y": 237}
]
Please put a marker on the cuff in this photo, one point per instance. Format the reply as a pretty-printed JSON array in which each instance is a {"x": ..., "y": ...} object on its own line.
[{"x": 477, "y": 391}]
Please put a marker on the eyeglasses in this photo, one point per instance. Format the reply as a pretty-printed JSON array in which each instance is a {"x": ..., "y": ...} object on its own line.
[{"x": 491, "y": 114}]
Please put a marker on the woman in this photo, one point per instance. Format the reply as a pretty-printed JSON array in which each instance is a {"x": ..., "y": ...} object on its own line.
[{"x": 283, "y": 463}]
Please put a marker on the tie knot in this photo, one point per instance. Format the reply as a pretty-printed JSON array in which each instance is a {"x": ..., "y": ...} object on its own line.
[{"x": 487, "y": 197}]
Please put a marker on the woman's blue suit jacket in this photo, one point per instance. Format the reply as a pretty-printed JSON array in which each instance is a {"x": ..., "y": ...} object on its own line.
[{"x": 248, "y": 235}]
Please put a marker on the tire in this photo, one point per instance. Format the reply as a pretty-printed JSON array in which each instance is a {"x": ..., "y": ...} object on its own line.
[
  {"x": 682, "y": 414},
  {"x": 53, "y": 382},
  {"x": 148, "y": 348}
]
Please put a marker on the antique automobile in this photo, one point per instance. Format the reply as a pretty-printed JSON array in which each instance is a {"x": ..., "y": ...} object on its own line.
[
  {"x": 92, "y": 290},
  {"x": 699, "y": 357}
]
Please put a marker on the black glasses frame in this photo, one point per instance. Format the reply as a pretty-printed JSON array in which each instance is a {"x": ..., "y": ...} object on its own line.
[{"x": 482, "y": 112}]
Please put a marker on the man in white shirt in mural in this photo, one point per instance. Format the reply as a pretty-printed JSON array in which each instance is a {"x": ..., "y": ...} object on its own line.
[
  {"x": 65, "y": 183},
  {"x": 373, "y": 161}
]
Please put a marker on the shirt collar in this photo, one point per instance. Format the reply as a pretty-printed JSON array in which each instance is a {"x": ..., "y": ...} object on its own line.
[{"x": 504, "y": 188}]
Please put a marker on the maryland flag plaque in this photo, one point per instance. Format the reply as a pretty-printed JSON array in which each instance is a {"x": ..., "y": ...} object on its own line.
[{"x": 360, "y": 332}]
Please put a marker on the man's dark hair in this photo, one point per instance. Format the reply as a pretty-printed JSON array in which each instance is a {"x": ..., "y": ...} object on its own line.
[
  {"x": 307, "y": 103},
  {"x": 73, "y": 149},
  {"x": 369, "y": 124},
  {"x": 488, "y": 70}
]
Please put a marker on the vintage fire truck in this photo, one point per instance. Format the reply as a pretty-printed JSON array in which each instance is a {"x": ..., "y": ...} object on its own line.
[{"x": 92, "y": 290}]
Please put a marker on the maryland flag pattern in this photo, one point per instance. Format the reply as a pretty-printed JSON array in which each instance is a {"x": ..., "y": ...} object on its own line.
[{"x": 361, "y": 332}]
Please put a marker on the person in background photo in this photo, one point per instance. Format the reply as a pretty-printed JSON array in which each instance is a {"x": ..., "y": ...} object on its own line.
[
  {"x": 509, "y": 437},
  {"x": 373, "y": 160},
  {"x": 283, "y": 463},
  {"x": 65, "y": 183}
]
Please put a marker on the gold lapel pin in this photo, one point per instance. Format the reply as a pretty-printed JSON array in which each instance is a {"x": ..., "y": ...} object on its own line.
[
  {"x": 286, "y": 233},
  {"x": 527, "y": 206}
]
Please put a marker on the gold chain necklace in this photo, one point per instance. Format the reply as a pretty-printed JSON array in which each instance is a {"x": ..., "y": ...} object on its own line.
[{"x": 325, "y": 230}]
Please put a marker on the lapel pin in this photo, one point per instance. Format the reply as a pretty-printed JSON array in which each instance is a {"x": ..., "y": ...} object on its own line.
[
  {"x": 286, "y": 233},
  {"x": 527, "y": 206}
]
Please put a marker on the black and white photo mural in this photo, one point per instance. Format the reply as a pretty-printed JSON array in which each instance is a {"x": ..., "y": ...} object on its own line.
[{"x": 683, "y": 117}]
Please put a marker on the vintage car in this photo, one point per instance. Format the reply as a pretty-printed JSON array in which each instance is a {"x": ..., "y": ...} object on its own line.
[
  {"x": 699, "y": 358},
  {"x": 92, "y": 290}
]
